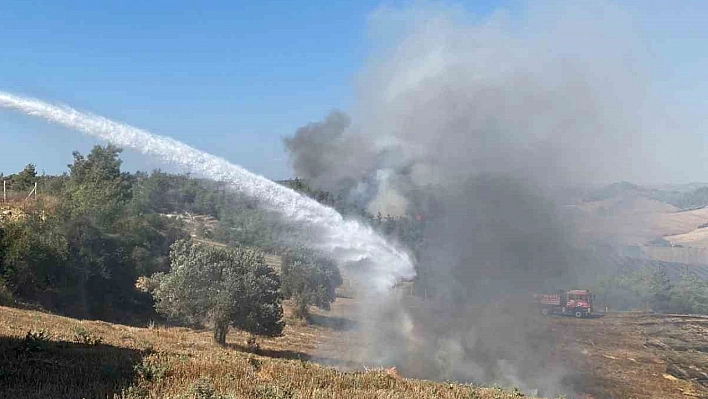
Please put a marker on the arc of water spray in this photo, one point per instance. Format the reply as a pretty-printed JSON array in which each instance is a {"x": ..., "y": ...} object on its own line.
[{"x": 348, "y": 240}]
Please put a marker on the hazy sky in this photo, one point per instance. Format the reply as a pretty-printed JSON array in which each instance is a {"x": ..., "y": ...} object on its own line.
[{"x": 234, "y": 77}]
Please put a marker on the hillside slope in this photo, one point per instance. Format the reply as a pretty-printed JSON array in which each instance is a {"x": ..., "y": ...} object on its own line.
[
  {"x": 658, "y": 231},
  {"x": 48, "y": 356},
  {"x": 633, "y": 220},
  {"x": 621, "y": 355}
]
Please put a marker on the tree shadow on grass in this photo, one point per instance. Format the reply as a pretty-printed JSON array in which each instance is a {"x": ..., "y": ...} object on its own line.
[
  {"x": 33, "y": 368},
  {"x": 290, "y": 355},
  {"x": 333, "y": 323},
  {"x": 274, "y": 353}
]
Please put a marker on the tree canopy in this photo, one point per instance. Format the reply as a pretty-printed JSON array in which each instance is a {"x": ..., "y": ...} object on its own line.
[
  {"x": 222, "y": 286},
  {"x": 309, "y": 279},
  {"x": 26, "y": 178}
]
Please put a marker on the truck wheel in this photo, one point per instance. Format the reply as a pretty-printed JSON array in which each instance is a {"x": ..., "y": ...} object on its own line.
[
  {"x": 544, "y": 311},
  {"x": 578, "y": 314}
]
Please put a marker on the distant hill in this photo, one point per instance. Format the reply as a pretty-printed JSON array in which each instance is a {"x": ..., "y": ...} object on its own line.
[
  {"x": 666, "y": 224},
  {"x": 690, "y": 196}
]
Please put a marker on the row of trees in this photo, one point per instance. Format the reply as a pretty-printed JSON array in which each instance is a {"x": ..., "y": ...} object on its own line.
[
  {"x": 80, "y": 250},
  {"x": 97, "y": 229},
  {"x": 651, "y": 288},
  {"x": 23, "y": 180}
]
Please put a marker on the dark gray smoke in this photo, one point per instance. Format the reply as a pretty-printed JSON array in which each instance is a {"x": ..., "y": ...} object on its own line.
[
  {"x": 324, "y": 152},
  {"x": 478, "y": 126}
]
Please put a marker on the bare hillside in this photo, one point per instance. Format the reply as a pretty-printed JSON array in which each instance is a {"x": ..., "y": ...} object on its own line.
[
  {"x": 660, "y": 231},
  {"x": 634, "y": 220}
]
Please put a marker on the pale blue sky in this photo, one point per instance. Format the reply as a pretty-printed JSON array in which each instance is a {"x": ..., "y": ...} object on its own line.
[{"x": 234, "y": 77}]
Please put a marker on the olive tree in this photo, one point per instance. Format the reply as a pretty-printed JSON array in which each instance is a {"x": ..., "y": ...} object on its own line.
[
  {"x": 222, "y": 286},
  {"x": 309, "y": 279}
]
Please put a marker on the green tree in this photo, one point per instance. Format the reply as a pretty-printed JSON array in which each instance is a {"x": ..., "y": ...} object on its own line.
[
  {"x": 222, "y": 286},
  {"x": 651, "y": 288},
  {"x": 660, "y": 286},
  {"x": 690, "y": 295},
  {"x": 309, "y": 279},
  {"x": 33, "y": 260},
  {"x": 153, "y": 192},
  {"x": 26, "y": 178},
  {"x": 147, "y": 238},
  {"x": 96, "y": 186},
  {"x": 247, "y": 226},
  {"x": 648, "y": 288}
]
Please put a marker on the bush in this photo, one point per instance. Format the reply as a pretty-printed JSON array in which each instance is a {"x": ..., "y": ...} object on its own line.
[
  {"x": 266, "y": 391},
  {"x": 204, "y": 389},
  {"x": 83, "y": 336},
  {"x": 6, "y": 298},
  {"x": 35, "y": 341},
  {"x": 151, "y": 371},
  {"x": 34, "y": 260}
]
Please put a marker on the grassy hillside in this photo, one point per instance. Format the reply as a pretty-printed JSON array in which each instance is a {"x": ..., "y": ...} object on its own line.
[
  {"x": 49, "y": 356},
  {"x": 623, "y": 355}
]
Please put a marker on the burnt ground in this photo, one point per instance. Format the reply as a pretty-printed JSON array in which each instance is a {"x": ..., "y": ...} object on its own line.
[
  {"x": 615, "y": 356},
  {"x": 635, "y": 355}
]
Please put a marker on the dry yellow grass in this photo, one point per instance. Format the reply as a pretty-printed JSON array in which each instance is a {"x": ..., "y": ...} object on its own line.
[
  {"x": 697, "y": 238},
  {"x": 160, "y": 362}
]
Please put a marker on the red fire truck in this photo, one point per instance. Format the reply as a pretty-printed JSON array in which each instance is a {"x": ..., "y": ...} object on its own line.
[{"x": 576, "y": 303}]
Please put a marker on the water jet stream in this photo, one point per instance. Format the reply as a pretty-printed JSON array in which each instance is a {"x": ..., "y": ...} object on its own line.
[{"x": 346, "y": 239}]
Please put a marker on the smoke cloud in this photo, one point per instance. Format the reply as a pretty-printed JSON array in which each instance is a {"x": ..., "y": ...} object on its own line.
[{"x": 479, "y": 124}]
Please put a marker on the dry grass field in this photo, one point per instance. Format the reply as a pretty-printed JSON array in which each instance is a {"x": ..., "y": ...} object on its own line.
[
  {"x": 618, "y": 356},
  {"x": 49, "y": 356}
]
